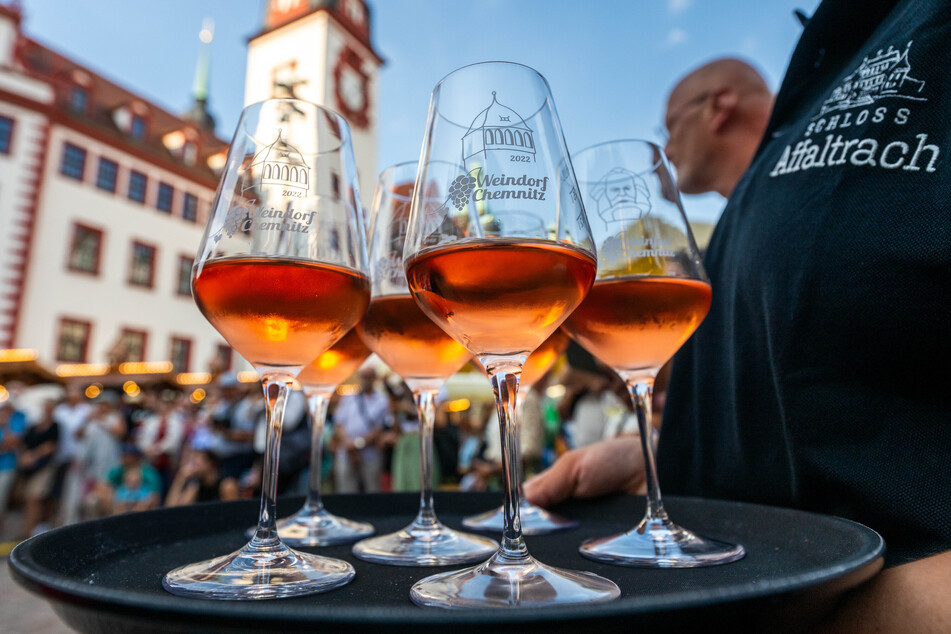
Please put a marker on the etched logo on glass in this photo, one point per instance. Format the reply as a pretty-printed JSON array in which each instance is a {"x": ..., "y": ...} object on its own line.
[
  {"x": 498, "y": 128},
  {"x": 281, "y": 167},
  {"x": 622, "y": 196},
  {"x": 281, "y": 164}
]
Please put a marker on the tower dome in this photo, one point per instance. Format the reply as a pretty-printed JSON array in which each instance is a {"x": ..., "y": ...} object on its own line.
[
  {"x": 282, "y": 164},
  {"x": 498, "y": 127}
]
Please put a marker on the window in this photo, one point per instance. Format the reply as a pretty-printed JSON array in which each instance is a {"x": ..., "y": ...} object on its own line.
[
  {"x": 190, "y": 209},
  {"x": 106, "y": 178},
  {"x": 74, "y": 161},
  {"x": 189, "y": 153},
  {"x": 6, "y": 134},
  {"x": 73, "y": 342},
  {"x": 185, "y": 275},
  {"x": 142, "y": 272},
  {"x": 181, "y": 354},
  {"x": 78, "y": 99},
  {"x": 132, "y": 344},
  {"x": 139, "y": 128},
  {"x": 137, "y": 184},
  {"x": 85, "y": 250},
  {"x": 166, "y": 194},
  {"x": 223, "y": 357}
]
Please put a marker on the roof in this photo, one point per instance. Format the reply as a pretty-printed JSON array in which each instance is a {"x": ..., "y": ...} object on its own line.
[
  {"x": 498, "y": 116},
  {"x": 105, "y": 97}
]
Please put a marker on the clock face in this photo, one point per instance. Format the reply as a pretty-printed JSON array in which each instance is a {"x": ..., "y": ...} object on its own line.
[{"x": 351, "y": 89}]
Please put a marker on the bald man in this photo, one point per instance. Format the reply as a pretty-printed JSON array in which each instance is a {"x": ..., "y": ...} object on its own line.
[
  {"x": 807, "y": 385},
  {"x": 715, "y": 118}
]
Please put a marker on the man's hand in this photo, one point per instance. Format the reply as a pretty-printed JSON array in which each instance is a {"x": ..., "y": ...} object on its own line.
[{"x": 615, "y": 465}]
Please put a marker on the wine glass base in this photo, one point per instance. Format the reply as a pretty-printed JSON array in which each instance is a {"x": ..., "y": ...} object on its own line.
[
  {"x": 318, "y": 528},
  {"x": 425, "y": 544},
  {"x": 260, "y": 570},
  {"x": 660, "y": 544},
  {"x": 534, "y": 520},
  {"x": 501, "y": 582}
]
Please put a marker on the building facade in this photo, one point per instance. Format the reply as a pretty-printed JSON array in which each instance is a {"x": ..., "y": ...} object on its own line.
[{"x": 103, "y": 197}]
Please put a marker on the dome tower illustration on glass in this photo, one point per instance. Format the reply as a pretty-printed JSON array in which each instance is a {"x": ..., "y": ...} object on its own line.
[
  {"x": 498, "y": 127},
  {"x": 282, "y": 164}
]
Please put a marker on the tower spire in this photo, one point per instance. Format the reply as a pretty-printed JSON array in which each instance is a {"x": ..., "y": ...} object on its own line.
[{"x": 199, "y": 110}]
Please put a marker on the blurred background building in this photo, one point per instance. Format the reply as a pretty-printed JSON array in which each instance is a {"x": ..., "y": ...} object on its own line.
[{"x": 104, "y": 194}]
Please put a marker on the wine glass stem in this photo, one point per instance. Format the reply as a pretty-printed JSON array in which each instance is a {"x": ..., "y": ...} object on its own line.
[
  {"x": 642, "y": 391},
  {"x": 426, "y": 409},
  {"x": 517, "y": 424},
  {"x": 505, "y": 387},
  {"x": 276, "y": 388},
  {"x": 318, "y": 403}
]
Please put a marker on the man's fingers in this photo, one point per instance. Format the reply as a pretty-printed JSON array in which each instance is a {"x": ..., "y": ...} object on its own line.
[
  {"x": 604, "y": 467},
  {"x": 554, "y": 484}
]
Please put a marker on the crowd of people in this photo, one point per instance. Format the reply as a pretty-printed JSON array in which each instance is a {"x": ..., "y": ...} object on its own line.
[{"x": 77, "y": 458}]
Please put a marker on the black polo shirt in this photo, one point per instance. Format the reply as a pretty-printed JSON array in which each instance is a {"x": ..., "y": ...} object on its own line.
[{"x": 819, "y": 379}]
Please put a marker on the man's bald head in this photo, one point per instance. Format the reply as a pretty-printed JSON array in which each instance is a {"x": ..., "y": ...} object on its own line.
[
  {"x": 720, "y": 73},
  {"x": 716, "y": 115}
]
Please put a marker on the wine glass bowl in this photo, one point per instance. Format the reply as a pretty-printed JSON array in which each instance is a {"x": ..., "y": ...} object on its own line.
[
  {"x": 498, "y": 254},
  {"x": 281, "y": 274},
  {"x": 650, "y": 295}
]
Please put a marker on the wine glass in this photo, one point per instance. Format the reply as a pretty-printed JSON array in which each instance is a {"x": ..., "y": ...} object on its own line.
[
  {"x": 313, "y": 525},
  {"x": 499, "y": 265},
  {"x": 424, "y": 356},
  {"x": 281, "y": 274},
  {"x": 535, "y": 520},
  {"x": 651, "y": 293}
]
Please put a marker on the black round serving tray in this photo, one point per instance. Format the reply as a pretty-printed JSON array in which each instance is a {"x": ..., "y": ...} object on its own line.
[{"x": 106, "y": 576}]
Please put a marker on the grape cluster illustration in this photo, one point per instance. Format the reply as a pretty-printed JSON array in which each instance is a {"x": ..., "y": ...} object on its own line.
[
  {"x": 460, "y": 189},
  {"x": 235, "y": 218}
]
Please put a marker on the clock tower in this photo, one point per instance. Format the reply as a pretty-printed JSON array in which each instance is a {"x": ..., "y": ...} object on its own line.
[{"x": 320, "y": 51}]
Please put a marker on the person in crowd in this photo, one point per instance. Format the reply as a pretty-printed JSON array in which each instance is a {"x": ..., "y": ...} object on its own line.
[
  {"x": 38, "y": 470},
  {"x": 160, "y": 434},
  {"x": 12, "y": 427},
  {"x": 16, "y": 397},
  {"x": 400, "y": 440},
  {"x": 233, "y": 422},
  {"x": 294, "y": 460},
  {"x": 198, "y": 480},
  {"x": 472, "y": 447},
  {"x": 358, "y": 424},
  {"x": 445, "y": 442},
  {"x": 101, "y": 436},
  {"x": 131, "y": 485},
  {"x": 829, "y": 269},
  {"x": 70, "y": 414},
  {"x": 131, "y": 493},
  {"x": 595, "y": 405}
]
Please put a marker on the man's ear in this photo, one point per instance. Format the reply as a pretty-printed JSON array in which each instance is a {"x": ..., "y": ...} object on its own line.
[{"x": 723, "y": 104}]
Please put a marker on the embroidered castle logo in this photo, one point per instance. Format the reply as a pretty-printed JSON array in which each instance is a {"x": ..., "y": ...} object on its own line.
[
  {"x": 883, "y": 75},
  {"x": 862, "y": 122}
]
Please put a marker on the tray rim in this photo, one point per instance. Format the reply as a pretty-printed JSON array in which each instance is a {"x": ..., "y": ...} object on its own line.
[{"x": 57, "y": 587}]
